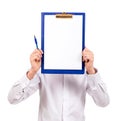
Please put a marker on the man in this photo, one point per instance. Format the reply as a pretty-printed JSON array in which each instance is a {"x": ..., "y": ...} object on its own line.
[{"x": 62, "y": 96}]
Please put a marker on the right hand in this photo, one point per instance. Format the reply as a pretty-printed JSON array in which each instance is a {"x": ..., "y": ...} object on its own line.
[{"x": 35, "y": 60}]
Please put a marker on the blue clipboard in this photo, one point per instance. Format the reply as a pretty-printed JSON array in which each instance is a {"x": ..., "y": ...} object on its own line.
[{"x": 62, "y": 42}]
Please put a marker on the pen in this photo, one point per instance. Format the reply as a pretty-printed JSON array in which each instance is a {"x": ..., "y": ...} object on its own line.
[{"x": 36, "y": 42}]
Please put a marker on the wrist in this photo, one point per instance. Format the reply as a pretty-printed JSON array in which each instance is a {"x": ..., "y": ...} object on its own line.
[
  {"x": 31, "y": 73},
  {"x": 91, "y": 71}
]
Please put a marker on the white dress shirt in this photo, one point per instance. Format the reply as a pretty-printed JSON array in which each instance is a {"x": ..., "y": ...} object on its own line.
[{"x": 62, "y": 97}]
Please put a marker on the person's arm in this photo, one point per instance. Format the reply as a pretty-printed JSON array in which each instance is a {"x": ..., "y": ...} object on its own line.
[
  {"x": 23, "y": 88},
  {"x": 95, "y": 86},
  {"x": 29, "y": 83},
  {"x": 97, "y": 89}
]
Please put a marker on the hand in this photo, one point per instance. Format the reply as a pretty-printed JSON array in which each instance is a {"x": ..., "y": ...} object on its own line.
[
  {"x": 88, "y": 58},
  {"x": 35, "y": 60}
]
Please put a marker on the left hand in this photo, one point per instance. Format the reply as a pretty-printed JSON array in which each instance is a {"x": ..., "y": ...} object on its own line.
[{"x": 88, "y": 58}]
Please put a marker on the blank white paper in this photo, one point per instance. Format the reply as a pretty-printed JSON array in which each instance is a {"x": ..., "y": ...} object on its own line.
[{"x": 63, "y": 43}]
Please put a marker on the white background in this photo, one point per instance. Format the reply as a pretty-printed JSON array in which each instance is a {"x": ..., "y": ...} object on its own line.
[{"x": 20, "y": 20}]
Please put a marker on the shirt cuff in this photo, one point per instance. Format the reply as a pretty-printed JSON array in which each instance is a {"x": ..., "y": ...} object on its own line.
[
  {"x": 93, "y": 80},
  {"x": 25, "y": 81}
]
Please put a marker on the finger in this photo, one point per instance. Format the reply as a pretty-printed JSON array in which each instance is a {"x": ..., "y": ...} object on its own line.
[
  {"x": 85, "y": 50},
  {"x": 39, "y": 54},
  {"x": 36, "y": 54},
  {"x": 36, "y": 57},
  {"x": 41, "y": 51},
  {"x": 37, "y": 60},
  {"x": 37, "y": 51},
  {"x": 88, "y": 54},
  {"x": 86, "y": 59}
]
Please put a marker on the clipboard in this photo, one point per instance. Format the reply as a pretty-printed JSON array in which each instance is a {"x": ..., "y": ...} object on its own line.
[{"x": 62, "y": 42}]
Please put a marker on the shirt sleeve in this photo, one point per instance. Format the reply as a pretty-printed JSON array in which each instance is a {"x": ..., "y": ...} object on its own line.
[
  {"x": 97, "y": 89},
  {"x": 23, "y": 88}
]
